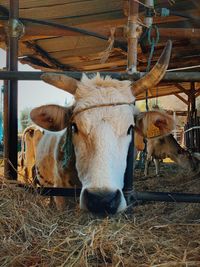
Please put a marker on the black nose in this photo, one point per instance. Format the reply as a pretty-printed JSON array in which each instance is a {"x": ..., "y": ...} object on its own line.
[{"x": 102, "y": 201}]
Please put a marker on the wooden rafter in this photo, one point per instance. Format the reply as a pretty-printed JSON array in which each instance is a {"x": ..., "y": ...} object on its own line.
[
  {"x": 181, "y": 98},
  {"x": 45, "y": 57},
  {"x": 181, "y": 88}
]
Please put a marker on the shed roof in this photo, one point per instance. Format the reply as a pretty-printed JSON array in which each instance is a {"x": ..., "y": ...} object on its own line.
[{"x": 51, "y": 48}]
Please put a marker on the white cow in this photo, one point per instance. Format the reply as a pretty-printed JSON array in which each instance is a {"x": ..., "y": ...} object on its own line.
[{"x": 101, "y": 121}]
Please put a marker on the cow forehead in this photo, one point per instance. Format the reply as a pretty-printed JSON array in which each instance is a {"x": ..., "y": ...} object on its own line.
[
  {"x": 118, "y": 117},
  {"x": 100, "y": 90}
]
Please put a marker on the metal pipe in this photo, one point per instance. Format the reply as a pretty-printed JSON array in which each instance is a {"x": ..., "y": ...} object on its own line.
[
  {"x": 166, "y": 197},
  {"x": 133, "y": 32},
  {"x": 10, "y": 136},
  {"x": 136, "y": 196},
  {"x": 35, "y": 76},
  {"x": 129, "y": 173}
]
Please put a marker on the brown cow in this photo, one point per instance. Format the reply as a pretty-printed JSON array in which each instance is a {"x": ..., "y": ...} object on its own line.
[
  {"x": 167, "y": 147},
  {"x": 30, "y": 139}
]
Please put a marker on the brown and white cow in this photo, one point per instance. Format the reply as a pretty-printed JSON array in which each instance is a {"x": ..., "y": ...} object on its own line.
[
  {"x": 167, "y": 147},
  {"x": 30, "y": 139},
  {"x": 101, "y": 120}
]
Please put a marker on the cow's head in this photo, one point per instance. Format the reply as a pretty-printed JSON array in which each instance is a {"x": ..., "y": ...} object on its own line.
[{"x": 102, "y": 120}]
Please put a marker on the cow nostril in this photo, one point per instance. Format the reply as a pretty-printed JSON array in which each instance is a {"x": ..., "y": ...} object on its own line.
[{"x": 102, "y": 201}]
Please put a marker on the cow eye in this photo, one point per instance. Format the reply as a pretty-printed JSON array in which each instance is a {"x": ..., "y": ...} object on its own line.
[
  {"x": 74, "y": 128},
  {"x": 130, "y": 130}
]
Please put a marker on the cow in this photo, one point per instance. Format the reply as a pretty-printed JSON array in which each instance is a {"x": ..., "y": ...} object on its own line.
[
  {"x": 30, "y": 139},
  {"x": 100, "y": 124},
  {"x": 167, "y": 147}
]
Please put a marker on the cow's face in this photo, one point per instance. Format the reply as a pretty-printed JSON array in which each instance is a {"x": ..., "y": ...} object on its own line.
[
  {"x": 101, "y": 140},
  {"x": 188, "y": 161},
  {"x": 102, "y": 121}
]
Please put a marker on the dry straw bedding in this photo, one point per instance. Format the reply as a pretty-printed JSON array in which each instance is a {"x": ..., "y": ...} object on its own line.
[{"x": 158, "y": 234}]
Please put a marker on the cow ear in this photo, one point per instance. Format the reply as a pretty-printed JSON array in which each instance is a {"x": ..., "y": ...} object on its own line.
[
  {"x": 154, "y": 124},
  {"x": 51, "y": 117}
]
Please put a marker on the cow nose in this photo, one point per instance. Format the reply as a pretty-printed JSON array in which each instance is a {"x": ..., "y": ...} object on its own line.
[{"x": 102, "y": 201}]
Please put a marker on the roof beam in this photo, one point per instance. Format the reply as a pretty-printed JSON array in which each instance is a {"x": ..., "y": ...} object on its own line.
[
  {"x": 182, "y": 89},
  {"x": 181, "y": 98}
]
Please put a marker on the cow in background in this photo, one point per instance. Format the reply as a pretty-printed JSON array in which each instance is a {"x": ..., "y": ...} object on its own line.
[
  {"x": 29, "y": 142},
  {"x": 100, "y": 125},
  {"x": 167, "y": 147}
]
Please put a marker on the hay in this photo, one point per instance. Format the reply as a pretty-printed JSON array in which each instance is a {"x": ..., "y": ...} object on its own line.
[{"x": 156, "y": 235}]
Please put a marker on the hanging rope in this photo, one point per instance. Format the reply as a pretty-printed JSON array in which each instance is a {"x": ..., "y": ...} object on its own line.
[{"x": 106, "y": 53}]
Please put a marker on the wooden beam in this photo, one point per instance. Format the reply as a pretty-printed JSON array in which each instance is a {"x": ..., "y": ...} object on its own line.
[
  {"x": 61, "y": 9},
  {"x": 133, "y": 35},
  {"x": 35, "y": 30},
  {"x": 45, "y": 57},
  {"x": 178, "y": 33},
  {"x": 182, "y": 89},
  {"x": 181, "y": 98}
]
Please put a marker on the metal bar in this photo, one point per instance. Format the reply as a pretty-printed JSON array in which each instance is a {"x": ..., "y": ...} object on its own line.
[
  {"x": 5, "y": 128},
  {"x": 11, "y": 109},
  {"x": 132, "y": 36},
  {"x": 35, "y": 76},
  {"x": 167, "y": 197},
  {"x": 129, "y": 173},
  {"x": 136, "y": 196}
]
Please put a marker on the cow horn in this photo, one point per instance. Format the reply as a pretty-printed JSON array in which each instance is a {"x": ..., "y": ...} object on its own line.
[
  {"x": 152, "y": 78},
  {"x": 61, "y": 81}
]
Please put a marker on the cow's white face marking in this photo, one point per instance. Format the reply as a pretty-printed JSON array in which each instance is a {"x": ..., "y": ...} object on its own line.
[{"x": 101, "y": 139}]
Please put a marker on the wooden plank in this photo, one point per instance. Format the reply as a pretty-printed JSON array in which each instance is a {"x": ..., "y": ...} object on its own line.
[
  {"x": 71, "y": 9},
  {"x": 101, "y": 16},
  {"x": 38, "y": 3},
  {"x": 101, "y": 66},
  {"x": 62, "y": 55},
  {"x": 64, "y": 43}
]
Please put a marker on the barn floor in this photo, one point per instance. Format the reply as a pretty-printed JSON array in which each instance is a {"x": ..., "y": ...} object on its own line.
[{"x": 156, "y": 235}]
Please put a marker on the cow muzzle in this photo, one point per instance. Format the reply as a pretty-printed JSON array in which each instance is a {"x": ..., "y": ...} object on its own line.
[{"x": 102, "y": 202}]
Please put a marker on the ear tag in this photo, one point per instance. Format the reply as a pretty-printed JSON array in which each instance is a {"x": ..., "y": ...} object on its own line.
[{"x": 152, "y": 131}]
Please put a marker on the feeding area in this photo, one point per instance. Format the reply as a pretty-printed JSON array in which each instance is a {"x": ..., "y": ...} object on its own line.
[{"x": 112, "y": 177}]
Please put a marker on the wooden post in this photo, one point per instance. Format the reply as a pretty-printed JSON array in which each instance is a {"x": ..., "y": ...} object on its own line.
[
  {"x": 148, "y": 20},
  {"x": 133, "y": 32},
  {"x": 11, "y": 93}
]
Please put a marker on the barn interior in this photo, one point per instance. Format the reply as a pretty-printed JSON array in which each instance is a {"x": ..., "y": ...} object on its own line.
[
  {"x": 110, "y": 36},
  {"x": 75, "y": 36}
]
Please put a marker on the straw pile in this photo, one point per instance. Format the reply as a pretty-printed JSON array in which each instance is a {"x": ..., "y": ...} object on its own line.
[{"x": 156, "y": 235}]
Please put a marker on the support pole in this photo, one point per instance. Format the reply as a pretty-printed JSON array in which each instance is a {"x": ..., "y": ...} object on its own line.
[
  {"x": 133, "y": 32},
  {"x": 10, "y": 124},
  {"x": 193, "y": 98},
  {"x": 148, "y": 20}
]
